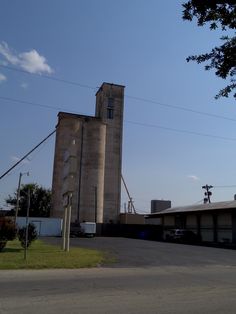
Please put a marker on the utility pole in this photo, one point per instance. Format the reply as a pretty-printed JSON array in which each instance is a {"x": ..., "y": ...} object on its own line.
[
  {"x": 64, "y": 228},
  {"x": 67, "y": 248},
  {"x": 208, "y": 193},
  {"x": 27, "y": 224},
  {"x": 66, "y": 222},
  {"x": 18, "y": 194},
  {"x": 95, "y": 203}
]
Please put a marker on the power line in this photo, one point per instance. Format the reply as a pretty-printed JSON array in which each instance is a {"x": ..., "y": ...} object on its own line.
[
  {"x": 30, "y": 103},
  {"x": 127, "y": 121},
  {"x": 198, "y": 202},
  {"x": 25, "y": 156},
  {"x": 35, "y": 104},
  {"x": 180, "y": 108},
  {"x": 29, "y": 159},
  {"x": 53, "y": 78},
  {"x": 181, "y": 131},
  {"x": 224, "y": 186}
]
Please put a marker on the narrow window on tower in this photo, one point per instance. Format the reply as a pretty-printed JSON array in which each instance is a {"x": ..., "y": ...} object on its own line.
[{"x": 110, "y": 108}]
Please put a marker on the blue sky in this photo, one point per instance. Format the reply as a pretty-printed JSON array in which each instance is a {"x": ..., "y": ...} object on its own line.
[{"x": 140, "y": 44}]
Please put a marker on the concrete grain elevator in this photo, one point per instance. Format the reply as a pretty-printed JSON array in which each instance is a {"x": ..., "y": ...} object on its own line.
[{"x": 88, "y": 157}]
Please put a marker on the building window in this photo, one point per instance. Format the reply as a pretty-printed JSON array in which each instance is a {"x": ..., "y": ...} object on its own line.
[
  {"x": 110, "y": 108},
  {"x": 110, "y": 113}
]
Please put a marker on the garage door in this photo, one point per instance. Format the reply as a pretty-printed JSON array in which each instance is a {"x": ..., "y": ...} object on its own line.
[
  {"x": 224, "y": 220},
  {"x": 191, "y": 221},
  {"x": 169, "y": 221},
  {"x": 206, "y": 224},
  {"x": 224, "y": 227}
]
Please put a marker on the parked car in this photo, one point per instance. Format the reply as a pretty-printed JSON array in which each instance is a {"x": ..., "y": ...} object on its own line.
[{"x": 182, "y": 236}]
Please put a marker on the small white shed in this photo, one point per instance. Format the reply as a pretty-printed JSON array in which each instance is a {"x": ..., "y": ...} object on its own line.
[{"x": 45, "y": 226}]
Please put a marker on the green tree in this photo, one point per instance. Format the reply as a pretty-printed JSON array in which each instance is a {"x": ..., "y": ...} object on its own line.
[
  {"x": 222, "y": 58},
  {"x": 32, "y": 235},
  {"x": 40, "y": 200},
  {"x": 7, "y": 231}
]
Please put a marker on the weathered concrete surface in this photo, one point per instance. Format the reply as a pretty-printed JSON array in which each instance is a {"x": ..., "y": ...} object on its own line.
[
  {"x": 182, "y": 279},
  {"x": 113, "y": 159}
]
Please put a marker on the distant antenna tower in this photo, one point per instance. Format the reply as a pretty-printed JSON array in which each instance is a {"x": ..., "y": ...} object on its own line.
[{"x": 208, "y": 193}]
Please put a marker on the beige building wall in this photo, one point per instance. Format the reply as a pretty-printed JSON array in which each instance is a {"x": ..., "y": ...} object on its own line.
[{"x": 132, "y": 219}]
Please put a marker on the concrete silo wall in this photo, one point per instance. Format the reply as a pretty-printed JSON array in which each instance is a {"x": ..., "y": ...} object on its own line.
[
  {"x": 66, "y": 161},
  {"x": 91, "y": 195}
]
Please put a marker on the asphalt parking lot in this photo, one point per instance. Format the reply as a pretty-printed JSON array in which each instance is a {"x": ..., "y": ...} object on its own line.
[
  {"x": 143, "y": 253},
  {"x": 148, "y": 277}
]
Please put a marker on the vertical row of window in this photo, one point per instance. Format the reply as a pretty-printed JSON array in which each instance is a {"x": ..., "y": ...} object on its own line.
[{"x": 110, "y": 108}]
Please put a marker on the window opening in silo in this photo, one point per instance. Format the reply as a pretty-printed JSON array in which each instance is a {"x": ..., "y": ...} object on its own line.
[{"x": 110, "y": 108}]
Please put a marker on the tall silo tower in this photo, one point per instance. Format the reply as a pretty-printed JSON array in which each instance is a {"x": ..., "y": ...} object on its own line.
[{"x": 109, "y": 107}]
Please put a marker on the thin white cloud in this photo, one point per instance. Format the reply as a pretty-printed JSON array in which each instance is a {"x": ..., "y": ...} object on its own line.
[
  {"x": 2, "y": 78},
  {"x": 9, "y": 55},
  {"x": 16, "y": 159},
  {"x": 193, "y": 177},
  {"x": 30, "y": 61}
]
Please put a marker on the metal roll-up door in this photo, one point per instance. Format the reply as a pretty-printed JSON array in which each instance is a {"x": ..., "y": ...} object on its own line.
[
  {"x": 224, "y": 227},
  {"x": 207, "y": 227},
  {"x": 191, "y": 222},
  {"x": 169, "y": 221}
]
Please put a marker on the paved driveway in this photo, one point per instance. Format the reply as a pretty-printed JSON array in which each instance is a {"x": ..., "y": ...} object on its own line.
[
  {"x": 148, "y": 278},
  {"x": 142, "y": 253}
]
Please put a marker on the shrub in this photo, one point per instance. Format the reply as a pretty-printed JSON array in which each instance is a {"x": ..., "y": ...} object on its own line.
[
  {"x": 7, "y": 231},
  {"x": 32, "y": 235}
]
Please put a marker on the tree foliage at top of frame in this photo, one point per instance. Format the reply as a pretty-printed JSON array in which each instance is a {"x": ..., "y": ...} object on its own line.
[{"x": 221, "y": 14}]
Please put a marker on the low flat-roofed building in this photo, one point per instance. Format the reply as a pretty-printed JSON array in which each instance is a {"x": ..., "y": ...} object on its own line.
[
  {"x": 132, "y": 219},
  {"x": 214, "y": 222}
]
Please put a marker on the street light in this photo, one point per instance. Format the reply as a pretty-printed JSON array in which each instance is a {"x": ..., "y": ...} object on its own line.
[{"x": 18, "y": 193}]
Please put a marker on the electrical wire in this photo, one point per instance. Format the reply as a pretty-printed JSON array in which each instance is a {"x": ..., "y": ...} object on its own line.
[
  {"x": 37, "y": 104},
  {"x": 29, "y": 103},
  {"x": 198, "y": 202},
  {"x": 224, "y": 186},
  {"x": 26, "y": 155},
  {"x": 126, "y": 121},
  {"x": 181, "y": 131},
  {"x": 53, "y": 78},
  {"x": 180, "y": 108}
]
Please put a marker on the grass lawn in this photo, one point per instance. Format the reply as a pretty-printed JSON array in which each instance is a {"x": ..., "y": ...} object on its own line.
[{"x": 41, "y": 255}]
